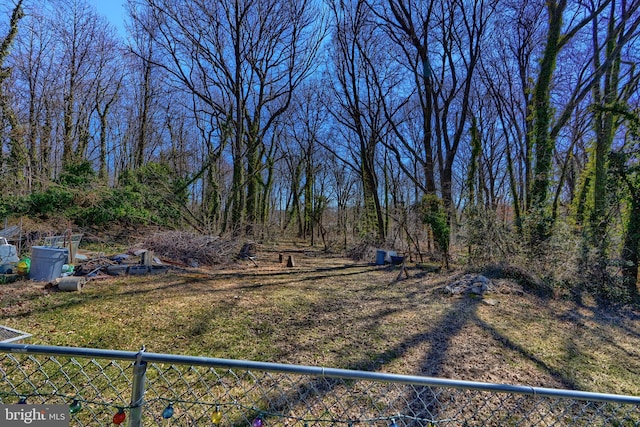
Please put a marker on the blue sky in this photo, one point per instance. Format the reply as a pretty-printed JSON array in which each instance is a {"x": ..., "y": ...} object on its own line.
[{"x": 113, "y": 10}]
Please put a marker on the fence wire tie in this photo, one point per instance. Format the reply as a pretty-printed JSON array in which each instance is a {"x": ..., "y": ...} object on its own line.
[
  {"x": 140, "y": 401},
  {"x": 139, "y": 355},
  {"x": 137, "y": 404}
]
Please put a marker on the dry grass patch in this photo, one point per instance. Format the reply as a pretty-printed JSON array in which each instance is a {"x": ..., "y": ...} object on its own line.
[{"x": 334, "y": 312}]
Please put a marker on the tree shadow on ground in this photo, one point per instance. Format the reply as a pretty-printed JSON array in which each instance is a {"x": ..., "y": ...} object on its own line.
[
  {"x": 424, "y": 402},
  {"x": 602, "y": 311},
  {"x": 182, "y": 282}
]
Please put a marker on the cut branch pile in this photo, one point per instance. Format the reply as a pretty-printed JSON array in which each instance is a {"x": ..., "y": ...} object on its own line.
[
  {"x": 364, "y": 251},
  {"x": 191, "y": 248}
]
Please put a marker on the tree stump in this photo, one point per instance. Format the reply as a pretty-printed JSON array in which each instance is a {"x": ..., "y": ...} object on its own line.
[
  {"x": 248, "y": 251},
  {"x": 291, "y": 262}
]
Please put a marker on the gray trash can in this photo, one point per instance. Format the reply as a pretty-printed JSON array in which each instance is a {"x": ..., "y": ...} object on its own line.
[{"x": 47, "y": 262}]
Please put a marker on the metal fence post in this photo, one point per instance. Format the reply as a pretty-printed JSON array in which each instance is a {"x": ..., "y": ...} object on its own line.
[{"x": 137, "y": 391}]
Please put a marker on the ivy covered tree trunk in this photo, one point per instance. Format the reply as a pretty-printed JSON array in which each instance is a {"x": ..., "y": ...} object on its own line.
[
  {"x": 236, "y": 202},
  {"x": 265, "y": 194},
  {"x": 631, "y": 247},
  {"x": 293, "y": 209},
  {"x": 435, "y": 215},
  {"x": 545, "y": 144},
  {"x": 513, "y": 186},
  {"x": 604, "y": 132},
  {"x": 308, "y": 198},
  {"x": 476, "y": 149},
  {"x": 211, "y": 201},
  {"x": 253, "y": 186},
  {"x": 625, "y": 167},
  {"x": 632, "y": 229},
  {"x": 373, "y": 214}
]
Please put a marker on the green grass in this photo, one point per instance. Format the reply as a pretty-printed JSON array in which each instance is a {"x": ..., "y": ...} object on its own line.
[{"x": 335, "y": 313}]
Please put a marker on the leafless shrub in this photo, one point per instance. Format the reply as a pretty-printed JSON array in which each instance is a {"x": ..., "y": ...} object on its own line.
[
  {"x": 488, "y": 238},
  {"x": 493, "y": 243}
]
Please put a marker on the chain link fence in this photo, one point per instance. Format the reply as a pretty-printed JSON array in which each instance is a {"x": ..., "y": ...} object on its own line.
[{"x": 107, "y": 387}]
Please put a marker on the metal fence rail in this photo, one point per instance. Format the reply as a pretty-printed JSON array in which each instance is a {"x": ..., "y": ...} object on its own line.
[{"x": 107, "y": 387}]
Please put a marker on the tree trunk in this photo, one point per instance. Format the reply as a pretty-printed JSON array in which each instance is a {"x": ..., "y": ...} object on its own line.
[
  {"x": 604, "y": 132},
  {"x": 514, "y": 189},
  {"x": 374, "y": 216},
  {"x": 17, "y": 150},
  {"x": 141, "y": 140},
  {"x": 253, "y": 186},
  {"x": 631, "y": 246},
  {"x": 545, "y": 145},
  {"x": 308, "y": 199}
]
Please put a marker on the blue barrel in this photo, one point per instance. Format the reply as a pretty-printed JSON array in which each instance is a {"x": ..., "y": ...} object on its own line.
[{"x": 380, "y": 256}]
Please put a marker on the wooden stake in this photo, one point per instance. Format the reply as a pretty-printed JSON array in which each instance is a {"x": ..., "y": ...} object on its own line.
[
  {"x": 147, "y": 258},
  {"x": 403, "y": 269}
]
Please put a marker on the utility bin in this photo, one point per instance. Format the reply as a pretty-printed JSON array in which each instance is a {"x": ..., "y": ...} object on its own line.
[
  {"x": 8, "y": 253},
  {"x": 380, "y": 257},
  {"x": 47, "y": 262}
]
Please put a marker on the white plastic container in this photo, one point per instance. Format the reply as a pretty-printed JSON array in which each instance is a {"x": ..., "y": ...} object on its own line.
[{"x": 8, "y": 253}]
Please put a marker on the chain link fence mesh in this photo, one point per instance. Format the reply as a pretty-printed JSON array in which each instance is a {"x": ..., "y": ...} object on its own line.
[{"x": 191, "y": 391}]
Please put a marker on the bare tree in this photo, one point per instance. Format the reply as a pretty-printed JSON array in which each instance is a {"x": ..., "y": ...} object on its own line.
[
  {"x": 109, "y": 80},
  {"x": 146, "y": 77},
  {"x": 461, "y": 45},
  {"x": 362, "y": 76},
  {"x": 17, "y": 151},
  {"x": 36, "y": 76},
  {"x": 304, "y": 131},
  {"x": 243, "y": 60},
  {"x": 442, "y": 43},
  {"x": 507, "y": 73},
  {"x": 79, "y": 34},
  {"x": 409, "y": 24}
]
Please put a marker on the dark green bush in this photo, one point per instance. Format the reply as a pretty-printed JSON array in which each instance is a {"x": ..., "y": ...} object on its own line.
[
  {"x": 149, "y": 195},
  {"x": 77, "y": 175},
  {"x": 13, "y": 205},
  {"x": 52, "y": 201},
  {"x": 162, "y": 195},
  {"x": 113, "y": 206}
]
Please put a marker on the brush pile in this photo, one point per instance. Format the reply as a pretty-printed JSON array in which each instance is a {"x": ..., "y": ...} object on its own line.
[{"x": 192, "y": 249}]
